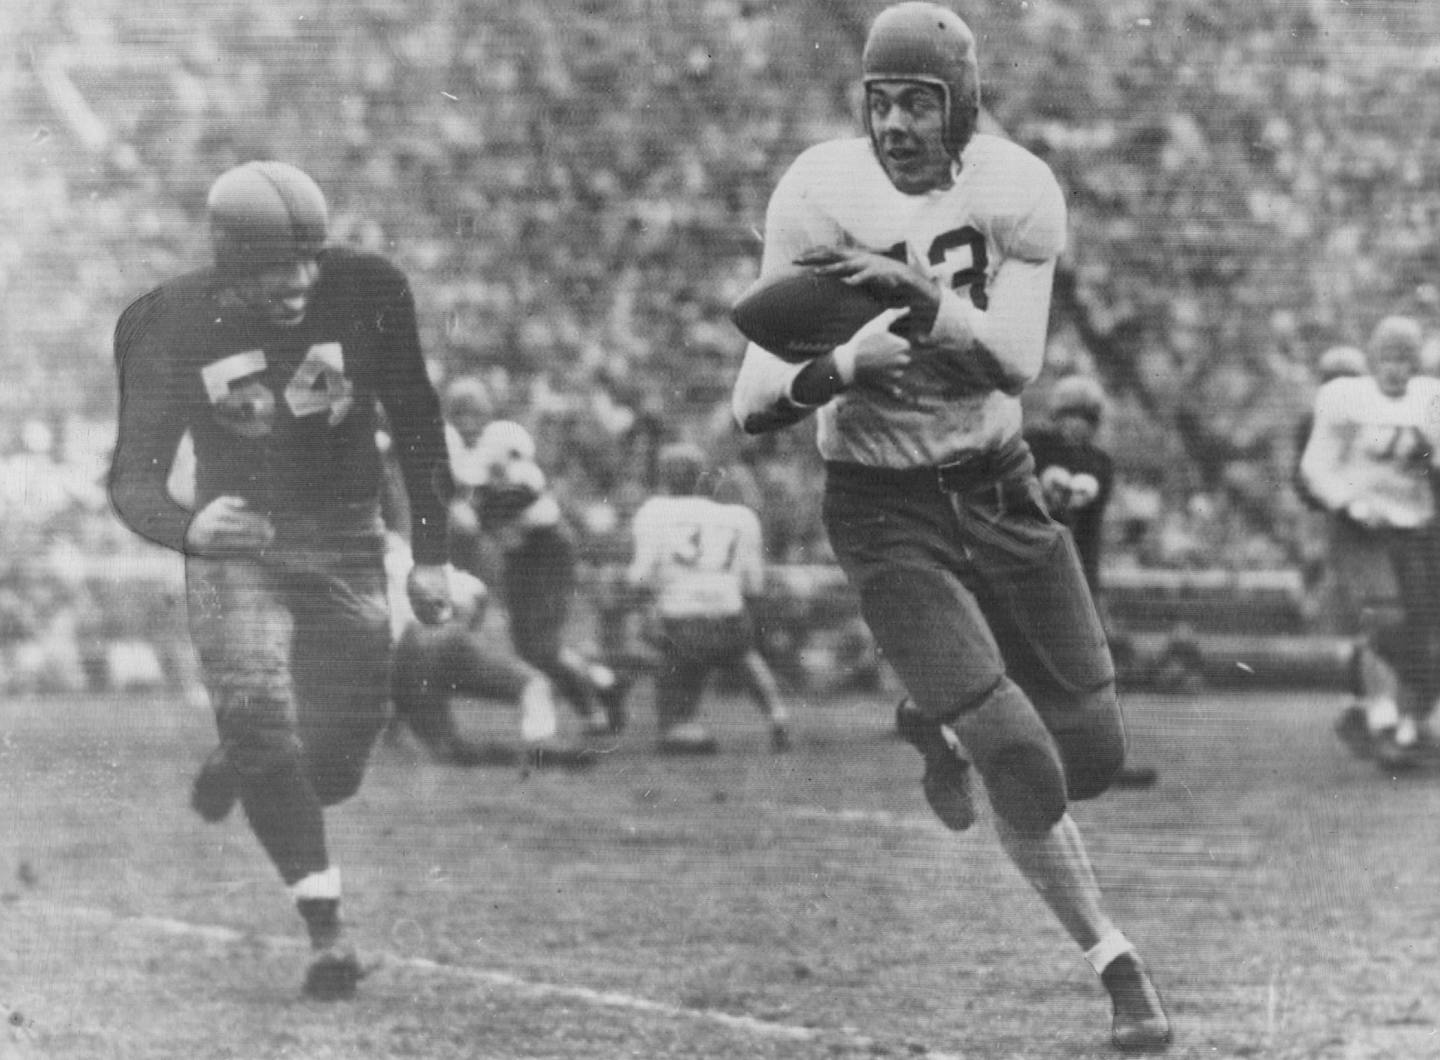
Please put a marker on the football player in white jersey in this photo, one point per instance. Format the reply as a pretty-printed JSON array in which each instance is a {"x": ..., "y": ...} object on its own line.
[
  {"x": 1370, "y": 460},
  {"x": 699, "y": 562},
  {"x": 974, "y": 594}
]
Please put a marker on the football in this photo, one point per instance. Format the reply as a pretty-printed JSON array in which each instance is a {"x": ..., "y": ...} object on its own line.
[{"x": 799, "y": 316}]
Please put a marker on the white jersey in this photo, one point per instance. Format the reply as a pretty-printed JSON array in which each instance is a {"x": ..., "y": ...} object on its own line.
[
  {"x": 990, "y": 240},
  {"x": 1376, "y": 450},
  {"x": 468, "y": 463},
  {"x": 699, "y": 557}
]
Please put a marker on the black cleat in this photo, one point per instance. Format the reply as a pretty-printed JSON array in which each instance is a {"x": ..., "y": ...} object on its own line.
[
  {"x": 334, "y": 974},
  {"x": 946, "y": 782},
  {"x": 1354, "y": 731},
  {"x": 216, "y": 788},
  {"x": 612, "y": 702},
  {"x": 779, "y": 739},
  {"x": 1138, "y": 1020},
  {"x": 468, "y": 754},
  {"x": 1395, "y": 757},
  {"x": 560, "y": 756}
]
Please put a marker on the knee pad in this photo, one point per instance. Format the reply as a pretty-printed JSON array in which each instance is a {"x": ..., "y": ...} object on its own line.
[
  {"x": 336, "y": 781},
  {"x": 1017, "y": 758}
]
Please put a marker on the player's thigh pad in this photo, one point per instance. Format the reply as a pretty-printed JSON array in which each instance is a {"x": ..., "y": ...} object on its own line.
[
  {"x": 340, "y": 662},
  {"x": 1017, "y": 757},
  {"x": 475, "y": 665},
  {"x": 1033, "y": 591},
  {"x": 1367, "y": 590},
  {"x": 894, "y": 549},
  {"x": 242, "y": 633}
]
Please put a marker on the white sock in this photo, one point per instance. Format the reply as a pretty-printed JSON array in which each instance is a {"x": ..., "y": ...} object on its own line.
[
  {"x": 324, "y": 884},
  {"x": 1112, "y": 945},
  {"x": 1381, "y": 712},
  {"x": 537, "y": 714}
]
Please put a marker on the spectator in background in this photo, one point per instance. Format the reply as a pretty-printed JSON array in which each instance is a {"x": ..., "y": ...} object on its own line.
[
  {"x": 697, "y": 564},
  {"x": 275, "y": 360},
  {"x": 1370, "y": 461}
]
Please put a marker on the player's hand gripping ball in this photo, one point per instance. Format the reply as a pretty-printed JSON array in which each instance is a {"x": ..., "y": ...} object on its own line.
[{"x": 799, "y": 316}]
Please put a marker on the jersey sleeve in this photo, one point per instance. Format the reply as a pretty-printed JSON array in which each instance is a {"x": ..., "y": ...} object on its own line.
[
  {"x": 749, "y": 553},
  {"x": 645, "y": 532},
  {"x": 149, "y": 428},
  {"x": 413, "y": 409},
  {"x": 761, "y": 400},
  {"x": 1035, "y": 231},
  {"x": 1005, "y": 341},
  {"x": 1323, "y": 462}
]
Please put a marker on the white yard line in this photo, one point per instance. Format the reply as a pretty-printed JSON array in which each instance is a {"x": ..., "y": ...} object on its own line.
[{"x": 525, "y": 988}]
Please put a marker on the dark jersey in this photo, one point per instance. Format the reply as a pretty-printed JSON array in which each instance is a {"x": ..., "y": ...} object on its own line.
[
  {"x": 502, "y": 504},
  {"x": 1087, "y": 524},
  {"x": 284, "y": 417}
]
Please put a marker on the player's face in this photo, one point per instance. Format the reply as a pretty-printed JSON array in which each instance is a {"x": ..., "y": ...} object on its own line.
[
  {"x": 907, "y": 124},
  {"x": 1393, "y": 368},
  {"x": 468, "y": 424},
  {"x": 280, "y": 294},
  {"x": 1075, "y": 428}
]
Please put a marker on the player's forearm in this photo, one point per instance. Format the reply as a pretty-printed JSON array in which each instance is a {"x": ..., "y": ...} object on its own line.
[
  {"x": 1322, "y": 472},
  {"x": 761, "y": 400},
  {"x": 144, "y": 504},
  {"x": 428, "y": 487}
]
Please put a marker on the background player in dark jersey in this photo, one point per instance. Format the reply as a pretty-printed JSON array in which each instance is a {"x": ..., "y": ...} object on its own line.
[
  {"x": 1077, "y": 475},
  {"x": 519, "y": 513},
  {"x": 976, "y": 597},
  {"x": 274, "y": 360},
  {"x": 437, "y": 663},
  {"x": 1078, "y": 478}
]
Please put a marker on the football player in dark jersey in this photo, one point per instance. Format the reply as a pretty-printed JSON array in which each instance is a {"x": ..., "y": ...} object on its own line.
[
  {"x": 976, "y": 597},
  {"x": 1078, "y": 477},
  {"x": 516, "y": 509},
  {"x": 274, "y": 359}
]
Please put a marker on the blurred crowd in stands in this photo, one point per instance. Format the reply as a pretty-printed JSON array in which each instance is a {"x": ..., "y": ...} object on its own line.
[{"x": 575, "y": 193}]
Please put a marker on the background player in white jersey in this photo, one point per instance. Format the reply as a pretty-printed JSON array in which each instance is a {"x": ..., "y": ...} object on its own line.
[
  {"x": 1370, "y": 460},
  {"x": 975, "y": 595},
  {"x": 699, "y": 562}
]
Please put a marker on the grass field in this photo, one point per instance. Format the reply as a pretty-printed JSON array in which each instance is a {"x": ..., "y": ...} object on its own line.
[{"x": 745, "y": 906}]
